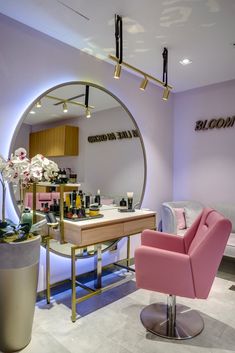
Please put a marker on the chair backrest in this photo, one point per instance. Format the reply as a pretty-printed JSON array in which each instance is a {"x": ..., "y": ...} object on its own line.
[
  {"x": 169, "y": 222},
  {"x": 206, "y": 248}
]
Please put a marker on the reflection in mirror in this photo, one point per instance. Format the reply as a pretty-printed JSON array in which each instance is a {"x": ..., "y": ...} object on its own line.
[
  {"x": 106, "y": 154},
  {"x": 110, "y": 158}
]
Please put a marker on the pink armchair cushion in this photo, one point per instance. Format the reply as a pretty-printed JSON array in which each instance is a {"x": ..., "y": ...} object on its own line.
[
  {"x": 164, "y": 271},
  {"x": 180, "y": 218},
  {"x": 161, "y": 240},
  {"x": 166, "y": 265},
  {"x": 207, "y": 248}
]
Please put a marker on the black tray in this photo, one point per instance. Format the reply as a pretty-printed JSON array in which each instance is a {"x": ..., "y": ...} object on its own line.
[
  {"x": 83, "y": 218},
  {"x": 75, "y": 219}
]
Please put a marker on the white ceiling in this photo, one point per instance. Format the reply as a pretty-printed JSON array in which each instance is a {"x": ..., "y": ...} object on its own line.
[{"x": 202, "y": 30}]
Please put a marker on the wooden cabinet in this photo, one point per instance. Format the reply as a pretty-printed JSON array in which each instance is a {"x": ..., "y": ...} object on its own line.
[{"x": 55, "y": 142}]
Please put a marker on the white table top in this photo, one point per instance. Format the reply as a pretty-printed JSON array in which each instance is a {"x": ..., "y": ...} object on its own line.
[{"x": 111, "y": 215}]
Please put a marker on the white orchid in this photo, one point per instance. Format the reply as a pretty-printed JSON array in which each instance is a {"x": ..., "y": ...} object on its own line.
[
  {"x": 48, "y": 168},
  {"x": 18, "y": 169},
  {"x": 13, "y": 169}
]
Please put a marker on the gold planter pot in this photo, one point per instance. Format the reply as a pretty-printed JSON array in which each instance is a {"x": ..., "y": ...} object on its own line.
[{"x": 19, "y": 263}]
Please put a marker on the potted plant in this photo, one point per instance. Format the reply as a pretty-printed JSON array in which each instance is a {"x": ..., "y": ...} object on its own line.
[{"x": 19, "y": 253}]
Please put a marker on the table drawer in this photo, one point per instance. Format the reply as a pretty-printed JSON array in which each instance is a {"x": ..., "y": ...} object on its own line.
[
  {"x": 99, "y": 234},
  {"x": 138, "y": 225}
]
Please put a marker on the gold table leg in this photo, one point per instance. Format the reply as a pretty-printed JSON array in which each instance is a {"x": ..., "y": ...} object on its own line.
[
  {"x": 98, "y": 260},
  {"x": 73, "y": 279},
  {"x": 48, "y": 287},
  {"x": 128, "y": 260}
]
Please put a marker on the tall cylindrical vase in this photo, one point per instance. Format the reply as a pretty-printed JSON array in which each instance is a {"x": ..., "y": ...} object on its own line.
[{"x": 19, "y": 263}]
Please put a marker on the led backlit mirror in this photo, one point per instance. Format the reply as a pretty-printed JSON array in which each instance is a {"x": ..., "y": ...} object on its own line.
[{"x": 111, "y": 156}]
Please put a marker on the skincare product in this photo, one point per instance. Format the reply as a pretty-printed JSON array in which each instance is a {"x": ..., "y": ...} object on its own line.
[
  {"x": 130, "y": 200},
  {"x": 97, "y": 197},
  {"x": 123, "y": 202}
]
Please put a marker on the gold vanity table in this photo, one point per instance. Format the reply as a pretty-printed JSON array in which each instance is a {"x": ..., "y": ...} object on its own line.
[{"x": 114, "y": 225}]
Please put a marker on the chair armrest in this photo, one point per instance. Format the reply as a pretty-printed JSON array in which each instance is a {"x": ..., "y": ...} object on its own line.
[
  {"x": 164, "y": 271},
  {"x": 169, "y": 223},
  {"x": 161, "y": 240}
]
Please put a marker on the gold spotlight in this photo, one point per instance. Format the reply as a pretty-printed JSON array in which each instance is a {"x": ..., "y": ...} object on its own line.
[
  {"x": 38, "y": 104},
  {"x": 88, "y": 113},
  {"x": 117, "y": 71},
  {"x": 65, "y": 108},
  {"x": 166, "y": 93},
  {"x": 144, "y": 84}
]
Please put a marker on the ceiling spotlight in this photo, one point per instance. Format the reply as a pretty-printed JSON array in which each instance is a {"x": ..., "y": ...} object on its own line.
[
  {"x": 166, "y": 93},
  {"x": 65, "y": 108},
  {"x": 144, "y": 84},
  {"x": 117, "y": 71},
  {"x": 38, "y": 104},
  {"x": 32, "y": 112},
  {"x": 185, "y": 61},
  {"x": 119, "y": 63},
  {"x": 88, "y": 113}
]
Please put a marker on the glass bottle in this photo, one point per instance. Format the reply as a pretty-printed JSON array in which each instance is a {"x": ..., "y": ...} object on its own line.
[{"x": 27, "y": 217}]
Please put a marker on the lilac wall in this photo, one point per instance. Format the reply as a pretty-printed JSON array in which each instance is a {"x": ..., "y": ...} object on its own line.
[
  {"x": 31, "y": 63},
  {"x": 204, "y": 161}
]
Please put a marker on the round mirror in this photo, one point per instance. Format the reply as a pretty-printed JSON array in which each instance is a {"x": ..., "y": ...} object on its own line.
[{"x": 99, "y": 145}]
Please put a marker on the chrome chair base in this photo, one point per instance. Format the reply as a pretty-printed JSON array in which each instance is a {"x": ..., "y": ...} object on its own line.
[{"x": 188, "y": 322}]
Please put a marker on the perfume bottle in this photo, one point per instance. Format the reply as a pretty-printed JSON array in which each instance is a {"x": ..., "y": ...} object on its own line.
[{"x": 123, "y": 202}]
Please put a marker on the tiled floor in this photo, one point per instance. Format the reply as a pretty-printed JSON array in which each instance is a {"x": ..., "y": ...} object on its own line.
[{"x": 109, "y": 323}]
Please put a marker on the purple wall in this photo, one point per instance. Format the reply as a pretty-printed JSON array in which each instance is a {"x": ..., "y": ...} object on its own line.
[
  {"x": 31, "y": 63},
  {"x": 204, "y": 161}
]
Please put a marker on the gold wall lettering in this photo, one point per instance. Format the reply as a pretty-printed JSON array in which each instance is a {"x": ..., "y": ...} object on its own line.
[
  {"x": 118, "y": 135},
  {"x": 214, "y": 123}
]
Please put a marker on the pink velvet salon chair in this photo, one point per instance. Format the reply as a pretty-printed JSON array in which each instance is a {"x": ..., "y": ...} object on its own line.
[{"x": 184, "y": 266}]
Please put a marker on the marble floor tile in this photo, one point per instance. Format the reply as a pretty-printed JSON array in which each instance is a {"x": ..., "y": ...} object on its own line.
[{"x": 110, "y": 322}]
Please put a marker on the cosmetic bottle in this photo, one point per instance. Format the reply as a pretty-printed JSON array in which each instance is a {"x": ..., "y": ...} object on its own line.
[
  {"x": 72, "y": 178},
  {"x": 58, "y": 206},
  {"x": 59, "y": 176},
  {"x": 70, "y": 213},
  {"x": 123, "y": 202},
  {"x": 66, "y": 209},
  {"x": 68, "y": 200},
  {"x": 73, "y": 196},
  {"x": 87, "y": 201},
  {"x": 63, "y": 176},
  {"x": 74, "y": 213},
  {"x": 130, "y": 200},
  {"x": 97, "y": 197},
  {"x": 78, "y": 201},
  {"x": 27, "y": 217},
  {"x": 46, "y": 207}
]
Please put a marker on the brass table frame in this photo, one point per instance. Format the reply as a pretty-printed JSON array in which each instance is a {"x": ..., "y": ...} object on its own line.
[
  {"x": 98, "y": 253},
  {"x": 98, "y": 285}
]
